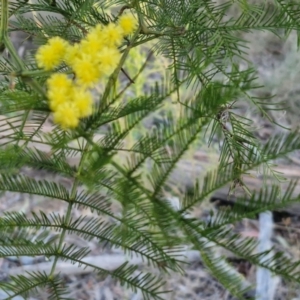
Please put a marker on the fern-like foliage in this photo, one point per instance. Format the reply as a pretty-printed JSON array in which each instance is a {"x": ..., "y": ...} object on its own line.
[{"x": 205, "y": 52}]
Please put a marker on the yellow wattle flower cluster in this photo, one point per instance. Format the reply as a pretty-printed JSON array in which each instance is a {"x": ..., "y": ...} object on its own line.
[{"x": 95, "y": 57}]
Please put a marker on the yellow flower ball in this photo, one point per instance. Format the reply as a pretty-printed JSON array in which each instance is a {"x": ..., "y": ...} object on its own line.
[
  {"x": 66, "y": 115},
  {"x": 109, "y": 59},
  {"x": 72, "y": 53},
  {"x": 83, "y": 101},
  {"x": 128, "y": 23},
  {"x": 56, "y": 99},
  {"x": 112, "y": 35},
  {"x": 98, "y": 29},
  {"x": 59, "y": 89},
  {"x": 59, "y": 80},
  {"x": 87, "y": 71},
  {"x": 51, "y": 55},
  {"x": 94, "y": 40}
]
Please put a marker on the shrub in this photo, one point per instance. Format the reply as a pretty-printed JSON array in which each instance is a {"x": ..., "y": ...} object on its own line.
[{"x": 71, "y": 82}]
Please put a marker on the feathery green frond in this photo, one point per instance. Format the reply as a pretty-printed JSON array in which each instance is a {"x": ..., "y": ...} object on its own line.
[{"x": 24, "y": 184}]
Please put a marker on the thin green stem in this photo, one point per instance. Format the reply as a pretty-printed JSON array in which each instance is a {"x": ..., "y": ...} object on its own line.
[
  {"x": 30, "y": 73},
  {"x": 12, "y": 51},
  {"x": 21, "y": 67},
  {"x": 69, "y": 211},
  {"x": 64, "y": 231},
  {"x": 3, "y": 21},
  {"x": 4, "y": 39},
  {"x": 144, "y": 41},
  {"x": 114, "y": 76}
]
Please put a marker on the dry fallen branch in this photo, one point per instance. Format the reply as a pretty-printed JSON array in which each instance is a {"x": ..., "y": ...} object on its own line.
[{"x": 108, "y": 262}]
